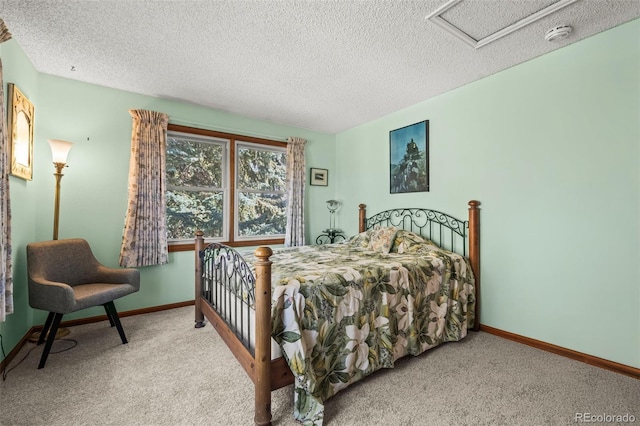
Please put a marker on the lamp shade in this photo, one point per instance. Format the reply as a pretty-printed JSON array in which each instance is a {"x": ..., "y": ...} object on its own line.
[
  {"x": 333, "y": 205},
  {"x": 59, "y": 150}
]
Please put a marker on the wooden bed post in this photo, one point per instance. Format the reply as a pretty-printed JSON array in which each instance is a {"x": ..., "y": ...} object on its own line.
[
  {"x": 262, "y": 377},
  {"x": 199, "y": 246},
  {"x": 474, "y": 252},
  {"x": 362, "y": 219}
]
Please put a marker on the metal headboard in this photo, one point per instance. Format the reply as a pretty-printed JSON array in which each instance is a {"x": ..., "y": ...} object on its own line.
[{"x": 446, "y": 231}]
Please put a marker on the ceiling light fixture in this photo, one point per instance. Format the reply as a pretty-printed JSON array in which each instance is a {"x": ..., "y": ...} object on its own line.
[{"x": 558, "y": 33}]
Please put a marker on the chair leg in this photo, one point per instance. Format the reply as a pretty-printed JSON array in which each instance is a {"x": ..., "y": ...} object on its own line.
[
  {"x": 45, "y": 329},
  {"x": 109, "y": 316},
  {"x": 52, "y": 335},
  {"x": 110, "y": 308}
]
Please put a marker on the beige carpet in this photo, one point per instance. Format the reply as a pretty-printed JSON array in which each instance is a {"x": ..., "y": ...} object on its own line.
[{"x": 173, "y": 374}]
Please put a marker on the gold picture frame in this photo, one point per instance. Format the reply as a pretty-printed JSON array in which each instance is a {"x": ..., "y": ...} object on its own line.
[{"x": 21, "y": 137}]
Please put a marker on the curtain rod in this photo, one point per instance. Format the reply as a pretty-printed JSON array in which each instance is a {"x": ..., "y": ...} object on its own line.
[{"x": 226, "y": 129}]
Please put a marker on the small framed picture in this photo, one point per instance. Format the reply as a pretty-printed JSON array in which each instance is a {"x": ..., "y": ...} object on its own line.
[{"x": 319, "y": 177}]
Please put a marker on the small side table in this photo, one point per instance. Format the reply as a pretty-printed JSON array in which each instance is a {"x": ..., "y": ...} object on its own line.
[{"x": 330, "y": 236}]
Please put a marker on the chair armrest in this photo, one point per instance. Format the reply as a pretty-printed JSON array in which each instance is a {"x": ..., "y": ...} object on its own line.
[
  {"x": 118, "y": 276},
  {"x": 51, "y": 296}
]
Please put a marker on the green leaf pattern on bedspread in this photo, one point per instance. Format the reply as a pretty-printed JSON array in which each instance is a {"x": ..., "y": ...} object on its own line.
[{"x": 342, "y": 312}]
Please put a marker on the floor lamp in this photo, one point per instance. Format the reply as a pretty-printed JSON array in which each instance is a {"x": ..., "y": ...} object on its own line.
[{"x": 59, "y": 152}]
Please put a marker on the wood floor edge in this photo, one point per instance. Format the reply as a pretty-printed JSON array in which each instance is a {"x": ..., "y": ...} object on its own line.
[
  {"x": 12, "y": 354},
  {"x": 558, "y": 350},
  {"x": 568, "y": 353},
  {"x": 148, "y": 310},
  {"x": 5, "y": 362}
]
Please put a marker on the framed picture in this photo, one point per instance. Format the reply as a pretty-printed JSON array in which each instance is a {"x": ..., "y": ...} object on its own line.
[
  {"x": 319, "y": 177},
  {"x": 409, "y": 158},
  {"x": 21, "y": 136}
]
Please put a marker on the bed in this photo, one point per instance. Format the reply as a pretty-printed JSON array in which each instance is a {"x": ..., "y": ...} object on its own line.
[{"x": 324, "y": 317}]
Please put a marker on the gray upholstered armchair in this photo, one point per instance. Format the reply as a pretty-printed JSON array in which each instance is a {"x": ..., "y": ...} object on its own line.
[{"x": 65, "y": 277}]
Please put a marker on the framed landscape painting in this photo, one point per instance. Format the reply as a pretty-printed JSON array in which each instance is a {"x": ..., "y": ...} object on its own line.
[
  {"x": 319, "y": 177},
  {"x": 409, "y": 158}
]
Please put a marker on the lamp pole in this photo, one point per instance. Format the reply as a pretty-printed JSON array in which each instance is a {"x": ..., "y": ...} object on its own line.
[
  {"x": 59, "y": 151},
  {"x": 56, "y": 209}
]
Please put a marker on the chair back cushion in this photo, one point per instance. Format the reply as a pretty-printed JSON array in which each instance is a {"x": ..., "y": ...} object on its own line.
[{"x": 68, "y": 261}]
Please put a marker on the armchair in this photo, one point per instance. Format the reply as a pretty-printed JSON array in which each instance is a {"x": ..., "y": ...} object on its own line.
[{"x": 64, "y": 277}]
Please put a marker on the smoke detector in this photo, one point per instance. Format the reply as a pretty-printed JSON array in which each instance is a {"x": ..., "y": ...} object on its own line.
[{"x": 558, "y": 33}]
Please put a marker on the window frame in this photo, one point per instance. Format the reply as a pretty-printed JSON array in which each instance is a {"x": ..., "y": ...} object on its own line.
[
  {"x": 242, "y": 143},
  {"x": 224, "y": 144},
  {"x": 230, "y": 203}
]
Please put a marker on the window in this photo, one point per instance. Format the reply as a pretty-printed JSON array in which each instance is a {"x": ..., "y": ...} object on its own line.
[
  {"x": 229, "y": 186},
  {"x": 195, "y": 186},
  {"x": 260, "y": 191}
]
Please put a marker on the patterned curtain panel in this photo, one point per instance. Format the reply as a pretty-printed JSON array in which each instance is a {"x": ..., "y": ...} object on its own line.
[
  {"x": 296, "y": 173},
  {"x": 144, "y": 241},
  {"x": 6, "y": 274}
]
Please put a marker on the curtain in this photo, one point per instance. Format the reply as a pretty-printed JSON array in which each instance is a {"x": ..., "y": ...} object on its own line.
[
  {"x": 144, "y": 241},
  {"x": 296, "y": 174},
  {"x": 6, "y": 274}
]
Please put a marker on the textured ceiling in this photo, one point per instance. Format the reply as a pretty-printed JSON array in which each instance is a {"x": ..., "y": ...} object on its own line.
[{"x": 324, "y": 65}]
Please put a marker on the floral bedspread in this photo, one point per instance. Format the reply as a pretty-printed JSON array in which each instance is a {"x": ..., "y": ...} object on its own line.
[{"x": 342, "y": 311}]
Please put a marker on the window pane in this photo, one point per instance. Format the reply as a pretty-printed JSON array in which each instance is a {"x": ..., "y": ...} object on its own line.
[
  {"x": 190, "y": 211},
  {"x": 261, "y": 214},
  {"x": 261, "y": 170},
  {"x": 194, "y": 163}
]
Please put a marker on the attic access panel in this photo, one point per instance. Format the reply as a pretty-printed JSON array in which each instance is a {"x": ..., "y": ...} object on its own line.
[{"x": 436, "y": 18}]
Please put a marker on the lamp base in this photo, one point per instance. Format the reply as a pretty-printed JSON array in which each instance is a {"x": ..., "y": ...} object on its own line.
[{"x": 59, "y": 334}]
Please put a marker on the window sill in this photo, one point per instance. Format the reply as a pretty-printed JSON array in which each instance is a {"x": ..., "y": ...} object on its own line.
[{"x": 251, "y": 243}]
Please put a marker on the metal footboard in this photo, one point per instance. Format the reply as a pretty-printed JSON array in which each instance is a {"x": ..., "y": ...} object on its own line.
[{"x": 227, "y": 284}]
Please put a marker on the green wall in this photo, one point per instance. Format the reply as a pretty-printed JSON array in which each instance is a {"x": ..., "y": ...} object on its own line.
[
  {"x": 94, "y": 186},
  {"x": 18, "y": 70},
  {"x": 551, "y": 148}
]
